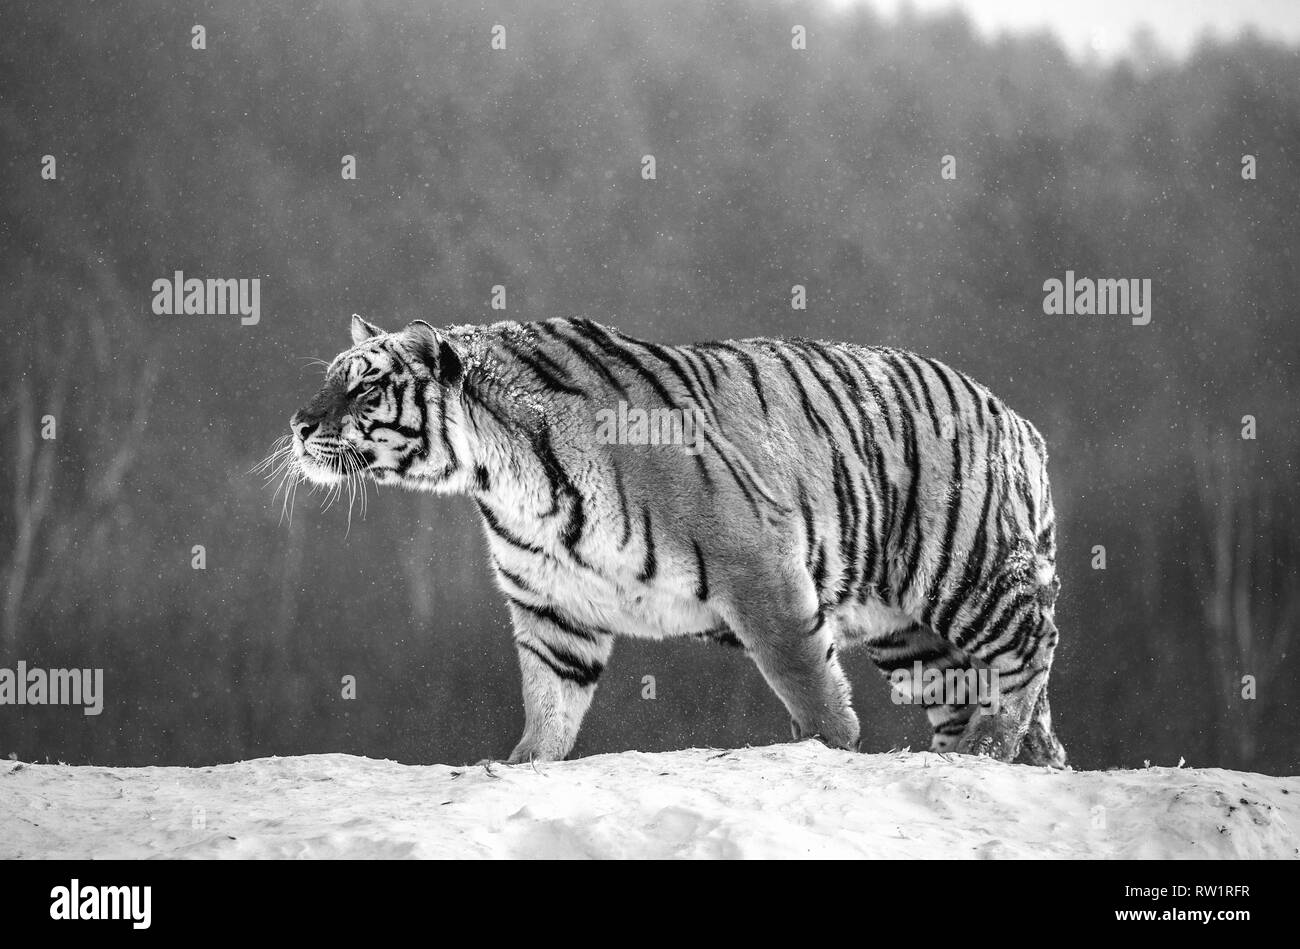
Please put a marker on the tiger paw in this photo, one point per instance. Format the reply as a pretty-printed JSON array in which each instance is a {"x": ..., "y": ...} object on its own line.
[
  {"x": 845, "y": 737},
  {"x": 528, "y": 755},
  {"x": 984, "y": 739},
  {"x": 487, "y": 764}
]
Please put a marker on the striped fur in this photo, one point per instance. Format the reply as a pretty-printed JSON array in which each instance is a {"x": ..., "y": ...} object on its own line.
[{"x": 837, "y": 495}]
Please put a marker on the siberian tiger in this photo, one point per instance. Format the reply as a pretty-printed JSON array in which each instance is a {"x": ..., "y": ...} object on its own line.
[{"x": 802, "y": 497}]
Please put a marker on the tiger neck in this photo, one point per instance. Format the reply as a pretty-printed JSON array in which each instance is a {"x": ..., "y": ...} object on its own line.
[{"x": 500, "y": 438}]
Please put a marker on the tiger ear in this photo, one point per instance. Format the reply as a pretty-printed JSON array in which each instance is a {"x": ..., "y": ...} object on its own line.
[
  {"x": 362, "y": 331},
  {"x": 436, "y": 352}
]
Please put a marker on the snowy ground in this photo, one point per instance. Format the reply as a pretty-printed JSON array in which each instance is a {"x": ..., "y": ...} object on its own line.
[{"x": 794, "y": 800}]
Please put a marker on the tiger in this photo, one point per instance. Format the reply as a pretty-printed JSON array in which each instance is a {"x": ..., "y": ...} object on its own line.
[{"x": 795, "y": 499}]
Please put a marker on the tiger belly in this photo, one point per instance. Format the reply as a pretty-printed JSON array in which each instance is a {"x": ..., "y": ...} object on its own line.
[
  {"x": 611, "y": 597},
  {"x": 858, "y": 623}
]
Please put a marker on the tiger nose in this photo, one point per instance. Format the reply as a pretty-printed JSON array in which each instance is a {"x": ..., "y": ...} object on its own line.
[{"x": 303, "y": 428}]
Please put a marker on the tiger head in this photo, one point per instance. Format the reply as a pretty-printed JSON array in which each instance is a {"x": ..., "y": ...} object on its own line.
[{"x": 380, "y": 412}]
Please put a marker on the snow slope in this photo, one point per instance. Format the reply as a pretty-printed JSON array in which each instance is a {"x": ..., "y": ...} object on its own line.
[{"x": 794, "y": 800}]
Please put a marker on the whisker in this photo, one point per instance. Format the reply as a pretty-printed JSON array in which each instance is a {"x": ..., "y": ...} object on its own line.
[
  {"x": 364, "y": 488},
  {"x": 277, "y": 465},
  {"x": 292, "y": 494},
  {"x": 351, "y": 466},
  {"x": 357, "y": 477},
  {"x": 283, "y": 468},
  {"x": 279, "y": 447}
]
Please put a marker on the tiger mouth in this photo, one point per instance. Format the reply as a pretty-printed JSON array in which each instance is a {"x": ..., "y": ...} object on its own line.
[
  {"x": 332, "y": 466},
  {"x": 319, "y": 469},
  {"x": 327, "y": 464}
]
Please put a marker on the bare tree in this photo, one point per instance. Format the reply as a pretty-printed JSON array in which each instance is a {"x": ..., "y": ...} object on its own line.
[
  {"x": 39, "y": 384},
  {"x": 1249, "y": 593}
]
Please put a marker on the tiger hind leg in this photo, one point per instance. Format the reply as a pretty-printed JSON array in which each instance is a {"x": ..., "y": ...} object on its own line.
[
  {"x": 1040, "y": 745},
  {"x": 949, "y": 723},
  {"x": 898, "y": 652},
  {"x": 1018, "y": 646}
]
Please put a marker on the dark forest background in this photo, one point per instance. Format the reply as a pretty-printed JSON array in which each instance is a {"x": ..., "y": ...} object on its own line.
[{"x": 522, "y": 167}]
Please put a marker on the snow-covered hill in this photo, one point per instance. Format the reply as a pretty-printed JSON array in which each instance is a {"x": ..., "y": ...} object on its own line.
[{"x": 794, "y": 800}]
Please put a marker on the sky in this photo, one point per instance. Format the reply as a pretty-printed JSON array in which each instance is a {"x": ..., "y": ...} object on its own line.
[{"x": 1102, "y": 28}]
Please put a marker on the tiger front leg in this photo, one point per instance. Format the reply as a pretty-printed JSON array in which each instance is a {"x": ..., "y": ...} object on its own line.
[{"x": 559, "y": 670}]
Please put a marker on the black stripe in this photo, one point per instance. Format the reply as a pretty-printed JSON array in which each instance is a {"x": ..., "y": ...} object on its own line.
[
  {"x": 608, "y": 342},
  {"x": 956, "y": 497},
  {"x": 508, "y": 536},
  {"x": 815, "y": 421},
  {"x": 832, "y": 358},
  {"x": 1024, "y": 603},
  {"x": 694, "y": 360},
  {"x": 548, "y": 375},
  {"x": 845, "y": 497},
  {"x": 602, "y": 370},
  {"x": 870, "y": 560},
  {"x": 857, "y": 359},
  {"x": 723, "y": 637},
  {"x": 622, "y": 504},
  {"x": 818, "y": 622},
  {"x": 1027, "y": 642},
  {"x": 902, "y": 657},
  {"x": 539, "y": 440},
  {"x": 706, "y": 359},
  {"x": 888, "y": 499},
  {"x": 976, "y": 630},
  {"x": 561, "y": 486},
  {"x": 915, "y": 365},
  {"x": 515, "y": 579},
  {"x": 1017, "y": 472},
  {"x": 976, "y": 556},
  {"x": 910, "y": 518},
  {"x": 799, "y": 349},
  {"x": 1015, "y": 641},
  {"x": 1046, "y": 538},
  {"x": 475, "y": 398},
  {"x": 668, "y": 357},
  {"x": 650, "y": 567},
  {"x": 744, "y": 488},
  {"x": 1031, "y": 504},
  {"x": 702, "y": 583},
  {"x": 810, "y": 531},
  {"x": 571, "y": 536},
  {"x": 703, "y": 470},
  {"x": 453, "y": 462},
  {"x": 566, "y": 665},
  {"x": 751, "y": 367},
  {"x": 975, "y": 397},
  {"x": 562, "y": 622}
]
